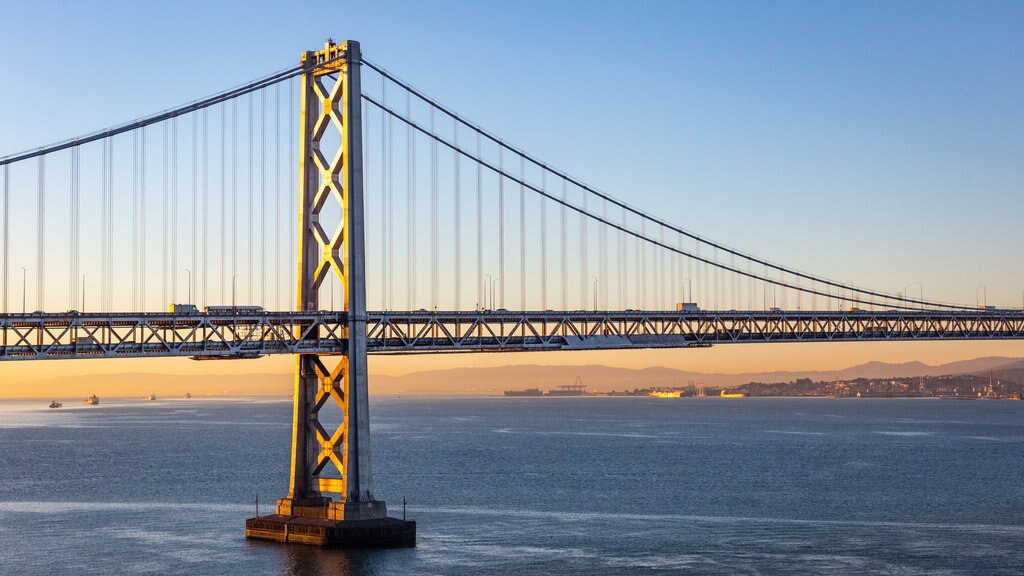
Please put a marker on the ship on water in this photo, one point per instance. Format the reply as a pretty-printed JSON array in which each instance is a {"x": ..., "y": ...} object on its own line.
[
  {"x": 666, "y": 394},
  {"x": 55, "y": 404},
  {"x": 527, "y": 392},
  {"x": 725, "y": 394},
  {"x": 92, "y": 400},
  {"x": 151, "y": 397}
]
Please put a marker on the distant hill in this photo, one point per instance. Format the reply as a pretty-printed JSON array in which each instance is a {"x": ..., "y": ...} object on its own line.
[
  {"x": 606, "y": 378},
  {"x": 1012, "y": 372},
  {"x": 461, "y": 381}
]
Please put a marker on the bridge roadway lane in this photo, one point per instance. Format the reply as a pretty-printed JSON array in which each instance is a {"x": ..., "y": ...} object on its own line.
[{"x": 66, "y": 335}]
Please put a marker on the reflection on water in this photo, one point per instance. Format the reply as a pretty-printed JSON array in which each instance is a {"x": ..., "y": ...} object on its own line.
[{"x": 505, "y": 486}]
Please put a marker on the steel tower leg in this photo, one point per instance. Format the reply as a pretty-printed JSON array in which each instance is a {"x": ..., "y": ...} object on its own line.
[{"x": 335, "y": 461}]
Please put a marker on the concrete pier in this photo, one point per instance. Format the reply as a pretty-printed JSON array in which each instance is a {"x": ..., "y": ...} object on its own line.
[
  {"x": 323, "y": 522},
  {"x": 376, "y": 533}
]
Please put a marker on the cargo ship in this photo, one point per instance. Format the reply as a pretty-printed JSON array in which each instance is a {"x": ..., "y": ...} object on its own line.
[
  {"x": 725, "y": 394},
  {"x": 666, "y": 394},
  {"x": 55, "y": 404},
  {"x": 527, "y": 392},
  {"x": 92, "y": 400}
]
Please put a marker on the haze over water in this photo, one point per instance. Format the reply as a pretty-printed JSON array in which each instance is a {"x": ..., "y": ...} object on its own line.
[{"x": 531, "y": 486}]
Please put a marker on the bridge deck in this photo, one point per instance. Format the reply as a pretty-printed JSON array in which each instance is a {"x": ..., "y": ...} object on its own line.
[{"x": 42, "y": 336}]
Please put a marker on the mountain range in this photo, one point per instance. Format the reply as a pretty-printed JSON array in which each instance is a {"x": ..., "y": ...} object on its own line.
[{"x": 494, "y": 380}]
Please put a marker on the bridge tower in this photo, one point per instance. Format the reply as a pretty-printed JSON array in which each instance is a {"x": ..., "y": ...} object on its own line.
[{"x": 325, "y": 461}]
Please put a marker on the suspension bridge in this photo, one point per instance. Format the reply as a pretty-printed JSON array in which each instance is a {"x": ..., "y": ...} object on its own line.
[{"x": 395, "y": 226}]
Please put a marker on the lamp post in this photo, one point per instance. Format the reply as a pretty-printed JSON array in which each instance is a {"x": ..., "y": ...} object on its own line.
[
  {"x": 906, "y": 292},
  {"x": 83, "y": 290},
  {"x": 22, "y": 289},
  {"x": 487, "y": 293},
  {"x": 984, "y": 292}
]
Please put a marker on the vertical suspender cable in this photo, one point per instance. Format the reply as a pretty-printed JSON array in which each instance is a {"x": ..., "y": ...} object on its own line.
[
  {"x": 584, "y": 257},
  {"x": 73, "y": 231},
  {"x": 367, "y": 182},
  {"x": 292, "y": 186},
  {"x": 279, "y": 211},
  {"x": 7, "y": 236},
  {"x": 522, "y": 232},
  {"x": 410, "y": 213},
  {"x": 660, "y": 262},
  {"x": 223, "y": 205},
  {"x": 165, "y": 213},
  {"x": 142, "y": 220},
  {"x": 564, "y": 243},
  {"x": 620, "y": 263},
  {"x": 385, "y": 282},
  {"x": 433, "y": 213},
  {"x": 135, "y": 220},
  {"x": 174, "y": 210},
  {"x": 605, "y": 282},
  {"x": 673, "y": 284},
  {"x": 641, "y": 258},
  {"x": 543, "y": 241},
  {"x": 263, "y": 198},
  {"x": 697, "y": 278},
  {"x": 479, "y": 228},
  {"x": 206, "y": 207},
  {"x": 250, "y": 222},
  {"x": 103, "y": 225},
  {"x": 193, "y": 225},
  {"x": 391, "y": 213},
  {"x": 501, "y": 227},
  {"x": 234, "y": 197},
  {"x": 110, "y": 229},
  {"x": 41, "y": 229},
  {"x": 458, "y": 218}
]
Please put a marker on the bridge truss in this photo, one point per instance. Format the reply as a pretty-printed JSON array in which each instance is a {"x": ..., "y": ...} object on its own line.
[{"x": 229, "y": 336}]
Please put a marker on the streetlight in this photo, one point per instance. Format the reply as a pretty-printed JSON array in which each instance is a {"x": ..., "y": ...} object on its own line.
[
  {"x": 22, "y": 289},
  {"x": 595, "y": 292},
  {"x": 984, "y": 292},
  {"x": 487, "y": 291},
  {"x": 83, "y": 290},
  {"x": 189, "y": 285},
  {"x": 906, "y": 292}
]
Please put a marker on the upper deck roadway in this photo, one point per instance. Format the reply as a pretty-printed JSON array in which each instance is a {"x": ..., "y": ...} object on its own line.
[{"x": 73, "y": 335}]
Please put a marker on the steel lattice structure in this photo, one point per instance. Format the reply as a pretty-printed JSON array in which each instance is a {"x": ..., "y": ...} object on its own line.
[
  {"x": 233, "y": 336},
  {"x": 202, "y": 336}
]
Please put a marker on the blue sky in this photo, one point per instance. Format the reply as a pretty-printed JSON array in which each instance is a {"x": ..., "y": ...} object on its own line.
[
  {"x": 873, "y": 142},
  {"x": 879, "y": 143}
]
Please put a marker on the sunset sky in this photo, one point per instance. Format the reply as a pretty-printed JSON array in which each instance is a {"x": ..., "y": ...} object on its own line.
[{"x": 876, "y": 143}]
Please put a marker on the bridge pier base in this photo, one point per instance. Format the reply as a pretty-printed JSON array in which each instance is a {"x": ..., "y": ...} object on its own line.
[{"x": 320, "y": 521}]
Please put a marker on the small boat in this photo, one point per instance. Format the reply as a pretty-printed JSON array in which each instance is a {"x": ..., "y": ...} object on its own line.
[
  {"x": 55, "y": 404},
  {"x": 151, "y": 397},
  {"x": 92, "y": 400},
  {"x": 188, "y": 395}
]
